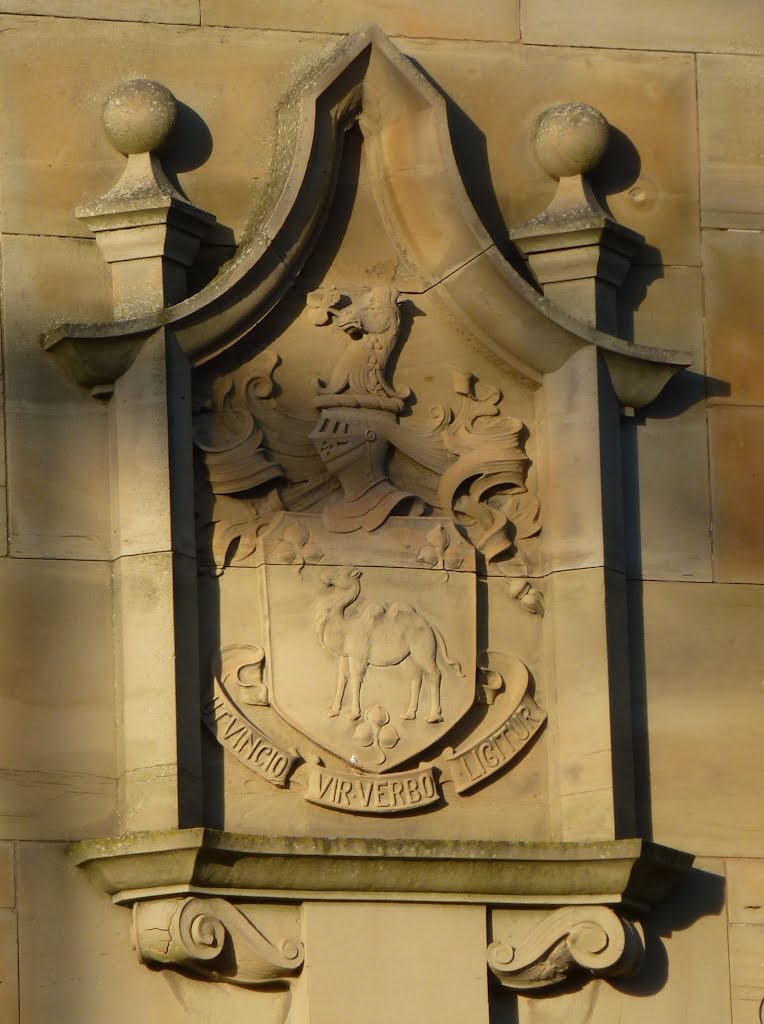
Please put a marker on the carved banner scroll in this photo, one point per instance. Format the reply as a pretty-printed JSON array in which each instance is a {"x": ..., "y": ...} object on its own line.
[
  {"x": 244, "y": 740},
  {"x": 375, "y": 794},
  {"x": 484, "y": 757}
]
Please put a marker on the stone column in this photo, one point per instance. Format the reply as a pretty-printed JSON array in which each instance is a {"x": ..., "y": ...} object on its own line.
[
  {"x": 149, "y": 234},
  {"x": 586, "y": 639}
]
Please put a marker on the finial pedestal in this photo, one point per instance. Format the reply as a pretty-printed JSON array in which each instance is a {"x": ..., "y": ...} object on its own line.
[
  {"x": 145, "y": 229},
  {"x": 579, "y": 255}
]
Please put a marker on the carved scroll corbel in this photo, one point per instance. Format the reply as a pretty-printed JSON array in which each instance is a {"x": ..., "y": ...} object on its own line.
[
  {"x": 570, "y": 941},
  {"x": 211, "y": 939}
]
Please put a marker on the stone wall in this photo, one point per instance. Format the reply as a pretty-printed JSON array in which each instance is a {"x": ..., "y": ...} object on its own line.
[{"x": 682, "y": 83}]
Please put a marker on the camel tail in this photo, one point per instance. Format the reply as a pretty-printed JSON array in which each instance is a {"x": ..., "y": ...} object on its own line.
[{"x": 444, "y": 651}]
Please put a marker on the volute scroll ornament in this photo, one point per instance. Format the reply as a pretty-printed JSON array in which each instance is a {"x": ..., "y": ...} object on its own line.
[
  {"x": 211, "y": 939},
  {"x": 573, "y": 940}
]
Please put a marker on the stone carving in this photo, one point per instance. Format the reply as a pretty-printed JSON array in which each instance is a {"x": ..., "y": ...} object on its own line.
[
  {"x": 571, "y": 940},
  {"x": 579, "y": 255},
  {"x": 227, "y": 433},
  {"x": 501, "y": 680},
  {"x": 510, "y": 317},
  {"x": 295, "y": 547},
  {"x": 146, "y": 230},
  {"x": 376, "y": 731},
  {"x": 241, "y": 665},
  {"x": 244, "y": 664},
  {"x": 435, "y": 552},
  {"x": 479, "y": 759},
  {"x": 211, "y": 939},
  {"x": 258, "y": 459},
  {"x": 393, "y": 665},
  {"x": 490, "y": 460},
  {"x": 363, "y": 633},
  {"x": 385, "y": 668},
  {"x": 359, "y": 409},
  {"x": 373, "y": 322},
  {"x": 376, "y": 794}
]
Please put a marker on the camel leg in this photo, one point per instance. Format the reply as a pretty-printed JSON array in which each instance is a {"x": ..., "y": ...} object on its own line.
[
  {"x": 424, "y": 651},
  {"x": 416, "y": 684},
  {"x": 357, "y": 672},
  {"x": 433, "y": 682},
  {"x": 342, "y": 678}
]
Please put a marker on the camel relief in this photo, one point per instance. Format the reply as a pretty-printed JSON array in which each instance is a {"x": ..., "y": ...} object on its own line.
[{"x": 363, "y": 633}]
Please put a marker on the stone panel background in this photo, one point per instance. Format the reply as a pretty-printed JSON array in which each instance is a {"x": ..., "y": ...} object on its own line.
[{"x": 682, "y": 83}]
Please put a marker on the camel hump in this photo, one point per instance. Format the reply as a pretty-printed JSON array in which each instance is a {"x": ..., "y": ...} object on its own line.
[
  {"x": 401, "y": 608},
  {"x": 373, "y": 612}
]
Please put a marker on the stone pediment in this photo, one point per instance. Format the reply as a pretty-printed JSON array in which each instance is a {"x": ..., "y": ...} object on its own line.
[{"x": 440, "y": 242}]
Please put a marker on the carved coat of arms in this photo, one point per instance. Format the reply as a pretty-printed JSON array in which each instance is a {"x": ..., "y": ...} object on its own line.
[{"x": 366, "y": 571}]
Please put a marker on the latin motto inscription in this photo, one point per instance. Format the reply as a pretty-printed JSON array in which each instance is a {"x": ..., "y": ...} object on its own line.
[
  {"x": 375, "y": 794},
  {"x": 250, "y": 746},
  {"x": 488, "y": 755}
]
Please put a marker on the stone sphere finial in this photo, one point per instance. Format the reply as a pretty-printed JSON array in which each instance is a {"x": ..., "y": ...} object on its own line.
[
  {"x": 139, "y": 115},
  {"x": 570, "y": 139}
]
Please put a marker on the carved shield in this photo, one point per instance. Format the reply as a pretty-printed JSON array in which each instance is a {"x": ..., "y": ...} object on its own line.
[{"x": 371, "y": 636}]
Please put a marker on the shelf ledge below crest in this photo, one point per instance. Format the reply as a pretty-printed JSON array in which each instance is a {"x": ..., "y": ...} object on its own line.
[{"x": 633, "y": 874}]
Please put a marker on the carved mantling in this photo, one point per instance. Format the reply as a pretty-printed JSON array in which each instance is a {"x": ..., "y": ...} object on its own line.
[
  {"x": 366, "y": 80},
  {"x": 257, "y": 460}
]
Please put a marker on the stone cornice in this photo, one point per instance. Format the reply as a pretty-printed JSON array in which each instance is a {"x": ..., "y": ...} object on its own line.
[{"x": 632, "y": 874}]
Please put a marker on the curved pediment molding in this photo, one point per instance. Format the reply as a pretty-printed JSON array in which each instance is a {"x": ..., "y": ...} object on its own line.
[{"x": 445, "y": 247}]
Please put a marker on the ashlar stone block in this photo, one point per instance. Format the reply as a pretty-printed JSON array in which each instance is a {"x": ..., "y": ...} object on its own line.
[
  {"x": 184, "y": 12},
  {"x": 57, "y": 436},
  {"x": 57, "y": 737},
  {"x": 654, "y": 25},
  {"x": 666, "y": 476},
  {"x": 736, "y": 437},
  {"x": 382, "y": 962},
  {"x": 492, "y": 19},
  {"x": 220, "y": 147},
  {"x": 734, "y": 307},
  {"x": 731, "y": 122},
  {"x": 7, "y": 876},
  {"x": 745, "y": 891},
  {"x": 746, "y": 959},
  {"x": 649, "y": 99},
  {"x": 9, "y": 968},
  {"x": 697, "y": 651}
]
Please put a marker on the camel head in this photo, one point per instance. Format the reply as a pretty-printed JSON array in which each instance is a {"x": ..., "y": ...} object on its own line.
[{"x": 342, "y": 578}]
